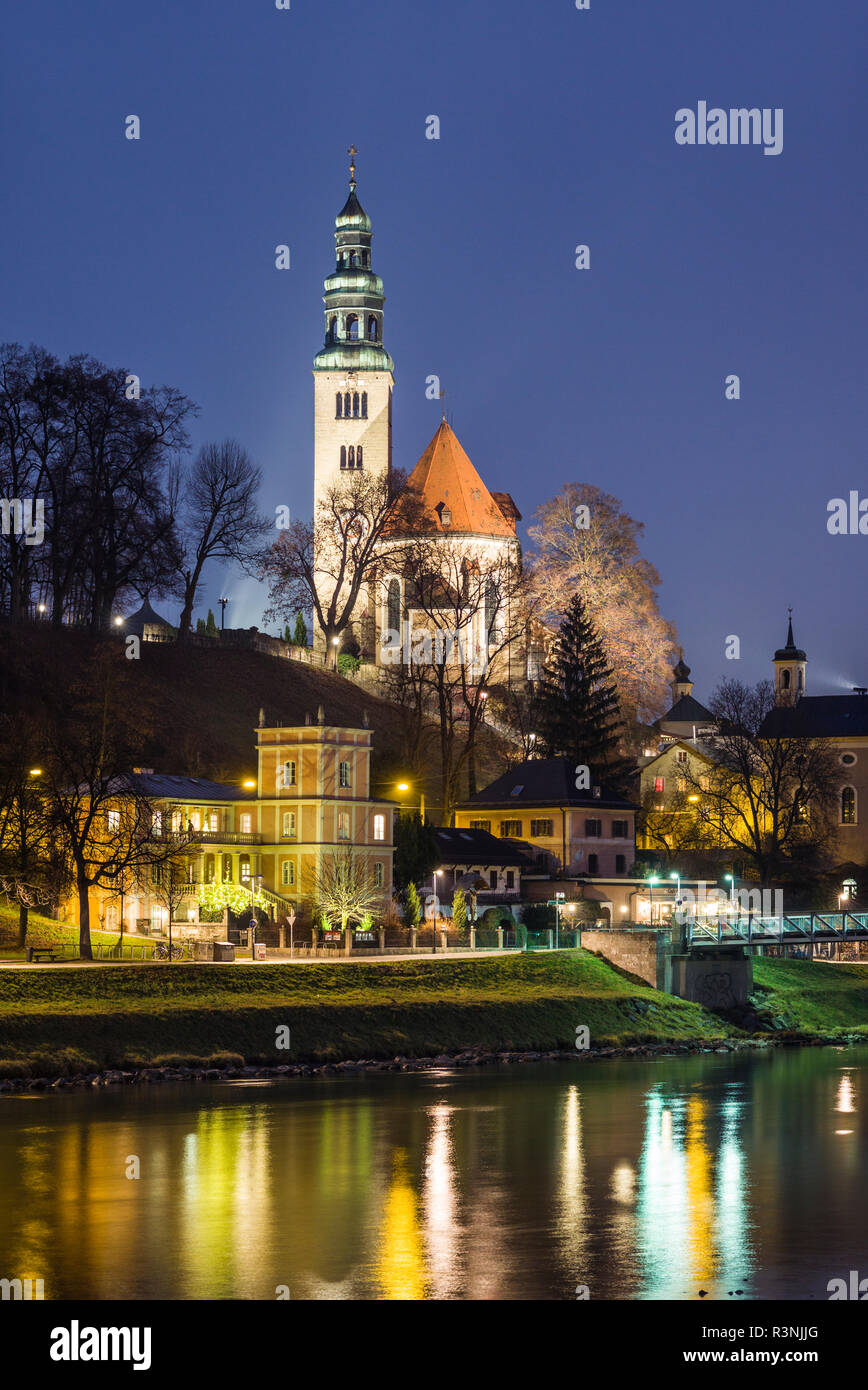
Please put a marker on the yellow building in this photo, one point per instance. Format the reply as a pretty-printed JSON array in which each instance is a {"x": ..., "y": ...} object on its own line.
[{"x": 266, "y": 838}]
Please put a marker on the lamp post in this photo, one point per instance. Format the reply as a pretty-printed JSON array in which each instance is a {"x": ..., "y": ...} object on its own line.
[
  {"x": 559, "y": 898},
  {"x": 436, "y": 875},
  {"x": 335, "y": 653},
  {"x": 571, "y": 907},
  {"x": 255, "y": 881},
  {"x": 405, "y": 787},
  {"x": 731, "y": 881}
]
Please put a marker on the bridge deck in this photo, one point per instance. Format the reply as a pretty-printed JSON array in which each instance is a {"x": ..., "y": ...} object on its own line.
[{"x": 786, "y": 929}]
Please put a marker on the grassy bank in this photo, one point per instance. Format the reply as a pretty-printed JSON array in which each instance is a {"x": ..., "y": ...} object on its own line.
[
  {"x": 67, "y": 1020},
  {"x": 43, "y": 931},
  {"x": 812, "y": 999},
  {"x": 88, "y": 1019}
]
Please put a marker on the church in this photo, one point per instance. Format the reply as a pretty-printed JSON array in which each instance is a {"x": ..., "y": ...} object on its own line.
[{"x": 449, "y": 555}]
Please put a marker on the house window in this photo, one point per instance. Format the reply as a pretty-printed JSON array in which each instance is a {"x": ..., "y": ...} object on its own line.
[
  {"x": 704, "y": 783},
  {"x": 848, "y": 806},
  {"x": 492, "y": 879},
  {"x": 208, "y": 868},
  {"x": 287, "y": 873},
  {"x": 541, "y": 827},
  {"x": 244, "y": 867},
  {"x": 343, "y": 825},
  {"x": 681, "y": 784},
  {"x": 658, "y": 784},
  {"x": 289, "y": 774},
  {"x": 593, "y": 829},
  {"x": 113, "y": 820},
  {"x": 289, "y": 825},
  {"x": 510, "y": 878},
  {"x": 157, "y": 823},
  {"x": 620, "y": 864},
  {"x": 681, "y": 755},
  {"x": 157, "y": 873},
  {"x": 510, "y": 829},
  {"x": 620, "y": 829},
  {"x": 195, "y": 821},
  {"x": 344, "y": 775},
  {"x": 379, "y": 827},
  {"x": 480, "y": 825},
  {"x": 378, "y": 875},
  {"x": 593, "y": 864},
  {"x": 246, "y": 823},
  {"x": 227, "y": 868}
]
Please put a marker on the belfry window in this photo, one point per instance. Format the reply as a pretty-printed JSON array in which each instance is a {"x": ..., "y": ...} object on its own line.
[
  {"x": 364, "y": 405},
  {"x": 354, "y": 258},
  {"x": 339, "y": 405},
  {"x": 333, "y": 329},
  {"x": 359, "y": 456},
  {"x": 353, "y": 327},
  {"x": 351, "y": 462},
  {"x": 348, "y": 405},
  {"x": 343, "y": 456},
  {"x": 355, "y": 405},
  {"x": 785, "y": 680},
  {"x": 372, "y": 328}
]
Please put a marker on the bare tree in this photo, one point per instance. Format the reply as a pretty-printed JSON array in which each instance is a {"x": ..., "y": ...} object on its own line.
[
  {"x": 769, "y": 793},
  {"x": 586, "y": 544},
  {"x": 342, "y": 888},
  {"x": 327, "y": 564},
  {"x": 220, "y": 518}
]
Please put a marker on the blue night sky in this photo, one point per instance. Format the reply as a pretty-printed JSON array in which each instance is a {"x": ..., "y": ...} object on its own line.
[{"x": 557, "y": 128}]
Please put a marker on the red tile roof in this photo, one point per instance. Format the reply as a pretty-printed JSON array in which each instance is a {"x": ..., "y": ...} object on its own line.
[{"x": 452, "y": 496}]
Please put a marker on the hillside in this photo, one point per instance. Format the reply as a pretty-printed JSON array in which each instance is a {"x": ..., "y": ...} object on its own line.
[{"x": 208, "y": 702}]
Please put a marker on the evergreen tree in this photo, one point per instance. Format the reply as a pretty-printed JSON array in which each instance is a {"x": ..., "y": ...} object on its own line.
[
  {"x": 287, "y": 635},
  {"x": 200, "y": 626},
  {"x": 413, "y": 907},
  {"x": 459, "y": 910},
  {"x": 416, "y": 850},
  {"x": 578, "y": 713},
  {"x": 211, "y": 624},
  {"x": 299, "y": 637}
]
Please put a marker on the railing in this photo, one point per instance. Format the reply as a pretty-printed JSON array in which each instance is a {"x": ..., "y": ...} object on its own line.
[
  {"x": 808, "y": 926},
  {"x": 227, "y": 837}
]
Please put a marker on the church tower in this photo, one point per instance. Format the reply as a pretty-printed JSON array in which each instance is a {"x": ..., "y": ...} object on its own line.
[
  {"x": 790, "y": 668},
  {"x": 353, "y": 372}
]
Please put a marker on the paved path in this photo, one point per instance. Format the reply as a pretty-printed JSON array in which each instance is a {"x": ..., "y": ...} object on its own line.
[{"x": 276, "y": 958}]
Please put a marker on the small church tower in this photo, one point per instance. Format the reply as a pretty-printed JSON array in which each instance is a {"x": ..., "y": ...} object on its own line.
[
  {"x": 790, "y": 666},
  {"x": 681, "y": 684},
  {"x": 353, "y": 372}
]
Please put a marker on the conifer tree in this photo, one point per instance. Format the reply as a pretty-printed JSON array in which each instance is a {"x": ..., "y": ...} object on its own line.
[
  {"x": 412, "y": 907},
  {"x": 577, "y": 702},
  {"x": 211, "y": 624},
  {"x": 299, "y": 637}
]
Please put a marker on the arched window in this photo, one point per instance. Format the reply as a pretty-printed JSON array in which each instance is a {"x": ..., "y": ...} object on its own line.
[
  {"x": 393, "y": 606},
  {"x": 785, "y": 680},
  {"x": 801, "y": 680},
  {"x": 354, "y": 258},
  {"x": 372, "y": 328},
  {"x": 352, "y": 327},
  {"x": 848, "y": 806},
  {"x": 355, "y": 405},
  {"x": 359, "y": 457},
  {"x": 490, "y": 607},
  {"x": 343, "y": 456},
  {"x": 333, "y": 329},
  {"x": 364, "y": 405},
  {"x": 339, "y": 405},
  {"x": 352, "y": 459}
]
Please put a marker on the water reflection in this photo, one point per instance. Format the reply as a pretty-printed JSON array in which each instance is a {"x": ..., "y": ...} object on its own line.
[{"x": 639, "y": 1180}]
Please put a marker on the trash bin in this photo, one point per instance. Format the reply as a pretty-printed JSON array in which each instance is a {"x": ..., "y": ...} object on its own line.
[{"x": 223, "y": 951}]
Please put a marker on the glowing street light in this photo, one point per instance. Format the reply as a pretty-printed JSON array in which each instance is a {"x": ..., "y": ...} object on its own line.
[
  {"x": 436, "y": 909},
  {"x": 651, "y": 881},
  {"x": 335, "y": 658}
]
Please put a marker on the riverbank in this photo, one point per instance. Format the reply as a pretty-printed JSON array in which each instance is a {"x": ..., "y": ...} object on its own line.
[{"x": 157, "y": 1018}]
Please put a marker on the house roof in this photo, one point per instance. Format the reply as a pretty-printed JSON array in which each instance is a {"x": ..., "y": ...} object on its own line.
[
  {"x": 686, "y": 710},
  {"x": 819, "y": 716},
  {"x": 145, "y": 617},
  {"x": 452, "y": 496},
  {"x": 164, "y": 787},
  {"x": 542, "y": 782},
  {"x": 480, "y": 847}
]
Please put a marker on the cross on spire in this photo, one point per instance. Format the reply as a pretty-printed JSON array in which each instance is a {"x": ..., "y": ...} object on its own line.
[
  {"x": 352, "y": 152},
  {"x": 443, "y": 403}
]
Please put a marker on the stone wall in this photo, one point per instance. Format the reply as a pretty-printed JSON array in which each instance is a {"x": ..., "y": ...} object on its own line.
[{"x": 643, "y": 953}]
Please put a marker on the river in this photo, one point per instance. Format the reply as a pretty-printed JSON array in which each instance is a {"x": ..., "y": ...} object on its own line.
[{"x": 742, "y": 1175}]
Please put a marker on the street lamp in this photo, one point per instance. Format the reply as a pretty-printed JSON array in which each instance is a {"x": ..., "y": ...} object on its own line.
[
  {"x": 405, "y": 787},
  {"x": 731, "y": 881},
  {"x": 255, "y": 882},
  {"x": 335, "y": 657},
  {"x": 436, "y": 910}
]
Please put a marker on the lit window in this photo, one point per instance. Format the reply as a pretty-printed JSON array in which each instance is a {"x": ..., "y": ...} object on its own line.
[
  {"x": 157, "y": 823},
  {"x": 287, "y": 874},
  {"x": 379, "y": 827},
  {"x": 541, "y": 827},
  {"x": 246, "y": 823},
  {"x": 113, "y": 820},
  {"x": 378, "y": 875},
  {"x": 344, "y": 826},
  {"x": 213, "y": 822},
  {"x": 289, "y": 824},
  {"x": 510, "y": 829},
  {"x": 344, "y": 775},
  {"x": 480, "y": 825},
  {"x": 195, "y": 821},
  {"x": 848, "y": 806},
  {"x": 288, "y": 778},
  {"x": 681, "y": 784},
  {"x": 176, "y": 822},
  {"x": 244, "y": 867},
  {"x": 658, "y": 784}
]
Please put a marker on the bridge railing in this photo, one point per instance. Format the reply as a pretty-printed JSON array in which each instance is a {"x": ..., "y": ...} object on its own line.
[{"x": 806, "y": 926}]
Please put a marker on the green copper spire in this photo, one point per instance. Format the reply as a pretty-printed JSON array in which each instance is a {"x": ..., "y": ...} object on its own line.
[{"x": 353, "y": 296}]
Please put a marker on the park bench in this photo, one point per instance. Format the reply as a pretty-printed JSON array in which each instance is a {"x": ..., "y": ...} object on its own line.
[{"x": 38, "y": 953}]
